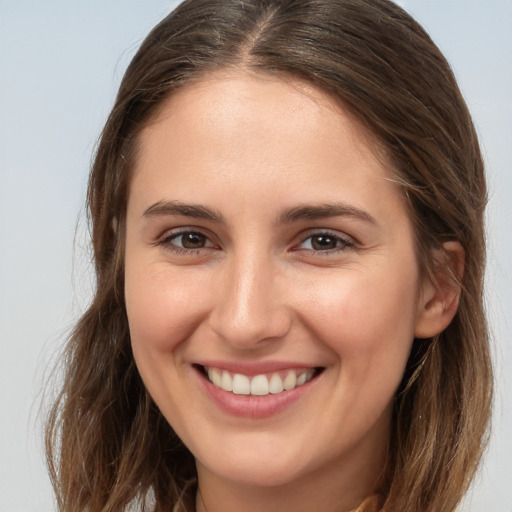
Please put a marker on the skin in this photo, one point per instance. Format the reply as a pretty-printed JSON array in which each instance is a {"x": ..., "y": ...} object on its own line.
[{"x": 250, "y": 147}]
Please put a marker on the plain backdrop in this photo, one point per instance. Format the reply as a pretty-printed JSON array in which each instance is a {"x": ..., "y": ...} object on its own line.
[{"x": 60, "y": 64}]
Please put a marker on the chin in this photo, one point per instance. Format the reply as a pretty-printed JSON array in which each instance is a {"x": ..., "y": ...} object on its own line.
[
  {"x": 255, "y": 472},
  {"x": 250, "y": 476}
]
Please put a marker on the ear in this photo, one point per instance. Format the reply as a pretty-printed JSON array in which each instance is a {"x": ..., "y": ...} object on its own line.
[{"x": 440, "y": 292}]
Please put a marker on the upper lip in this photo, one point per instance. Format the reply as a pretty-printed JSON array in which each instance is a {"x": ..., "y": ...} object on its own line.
[{"x": 251, "y": 368}]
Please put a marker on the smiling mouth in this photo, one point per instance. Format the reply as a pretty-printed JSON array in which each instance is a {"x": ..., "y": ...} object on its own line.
[{"x": 259, "y": 385}]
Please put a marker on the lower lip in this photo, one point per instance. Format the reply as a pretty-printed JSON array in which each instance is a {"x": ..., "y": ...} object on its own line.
[{"x": 252, "y": 406}]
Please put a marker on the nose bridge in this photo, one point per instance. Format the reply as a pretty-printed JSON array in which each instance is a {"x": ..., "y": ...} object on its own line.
[{"x": 250, "y": 307}]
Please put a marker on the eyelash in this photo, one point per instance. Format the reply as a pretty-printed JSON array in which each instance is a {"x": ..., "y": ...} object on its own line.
[
  {"x": 342, "y": 243},
  {"x": 168, "y": 242}
]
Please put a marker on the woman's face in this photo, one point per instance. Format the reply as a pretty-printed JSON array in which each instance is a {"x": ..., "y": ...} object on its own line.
[{"x": 268, "y": 247}]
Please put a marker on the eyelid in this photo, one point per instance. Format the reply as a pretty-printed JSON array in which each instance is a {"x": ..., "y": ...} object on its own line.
[
  {"x": 347, "y": 242},
  {"x": 165, "y": 239}
]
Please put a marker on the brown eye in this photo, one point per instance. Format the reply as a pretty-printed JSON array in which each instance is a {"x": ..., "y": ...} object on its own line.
[
  {"x": 323, "y": 242},
  {"x": 184, "y": 241},
  {"x": 191, "y": 240},
  {"x": 327, "y": 243}
]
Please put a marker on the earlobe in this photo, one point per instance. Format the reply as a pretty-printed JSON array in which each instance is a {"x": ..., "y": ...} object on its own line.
[{"x": 440, "y": 296}]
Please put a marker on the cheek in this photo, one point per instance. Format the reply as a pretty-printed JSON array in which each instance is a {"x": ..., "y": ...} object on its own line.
[
  {"x": 368, "y": 323},
  {"x": 162, "y": 309},
  {"x": 367, "y": 318}
]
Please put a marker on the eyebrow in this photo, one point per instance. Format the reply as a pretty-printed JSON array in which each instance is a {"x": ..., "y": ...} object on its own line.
[
  {"x": 162, "y": 208},
  {"x": 303, "y": 212},
  {"x": 311, "y": 212}
]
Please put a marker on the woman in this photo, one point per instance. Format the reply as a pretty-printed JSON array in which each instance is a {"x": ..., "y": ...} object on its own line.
[{"x": 287, "y": 218}]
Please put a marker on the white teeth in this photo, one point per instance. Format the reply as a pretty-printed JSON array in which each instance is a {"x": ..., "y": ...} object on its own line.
[
  {"x": 259, "y": 385},
  {"x": 290, "y": 381},
  {"x": 276, "y": 384},
  {"x": 215, "y": 376},
  {"x": 301, "y": 379},
  {"x": 226, "y": 382},
  {"x": 241, "y": 384}
]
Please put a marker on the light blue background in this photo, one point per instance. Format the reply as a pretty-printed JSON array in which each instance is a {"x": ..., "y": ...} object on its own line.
[{"x": 60, "y": 64}]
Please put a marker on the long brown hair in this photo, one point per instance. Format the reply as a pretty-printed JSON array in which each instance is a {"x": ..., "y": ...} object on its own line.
[{"x": 108, "y": 445}]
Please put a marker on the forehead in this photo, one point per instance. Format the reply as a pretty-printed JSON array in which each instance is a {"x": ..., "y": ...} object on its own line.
[
  {"x": 237, "y": 98},
  {"x": 238, "y": 131}
]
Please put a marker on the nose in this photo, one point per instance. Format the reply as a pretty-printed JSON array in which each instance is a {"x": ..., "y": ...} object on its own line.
[{"x": 250, "y": 307}]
